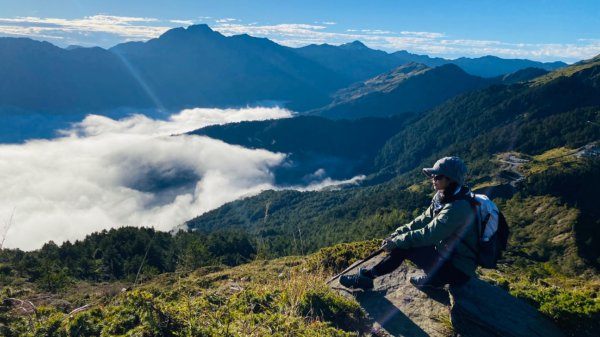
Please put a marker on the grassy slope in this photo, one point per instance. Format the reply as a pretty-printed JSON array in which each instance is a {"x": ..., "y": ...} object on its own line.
[
  {"x": 263, "y": 298},
  {"x": 282, "y": 297}
]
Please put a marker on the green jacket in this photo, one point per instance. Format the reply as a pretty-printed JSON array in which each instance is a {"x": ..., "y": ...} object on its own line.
[{"x": 444, "y": 231}]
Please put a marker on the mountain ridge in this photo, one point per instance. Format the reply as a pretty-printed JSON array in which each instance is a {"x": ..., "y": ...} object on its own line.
[
  {"x": 411, "y": 87},
  {"x": 309, "y": 78}
]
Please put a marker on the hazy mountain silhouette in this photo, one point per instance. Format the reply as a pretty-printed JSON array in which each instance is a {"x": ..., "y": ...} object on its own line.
[
  {"x": 200, "y": 67},
  {"x": 42, "y": 77},
  {"x": 360, "y": 62},
  {"x": 521, "y": 75},
  {"x": 197, "y": 67},
  {"x": 43, "y": 86},
  {"x": 490, "y": 66},
  {"x": 354, "y": 60},
  {"x": 412, "y": 87}
]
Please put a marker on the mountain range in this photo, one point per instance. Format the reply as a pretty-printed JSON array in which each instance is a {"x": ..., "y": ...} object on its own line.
[
  {"x": 528, "y": 119},
  {"x": 191, "y": 67},
  {"x": 362, "y": 62}
]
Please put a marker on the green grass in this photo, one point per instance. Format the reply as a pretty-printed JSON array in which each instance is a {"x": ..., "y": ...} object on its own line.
[
  {"x": 553, "y": 158},
  {"x": 263, "y": 298},
  {"x": 567, "y": 71}
]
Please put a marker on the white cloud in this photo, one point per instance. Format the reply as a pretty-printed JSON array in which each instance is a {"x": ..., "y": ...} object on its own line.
[
  {"x": 329, "y": 183},
  {"x": 376, "y": 31},
  {"x": 429, "y": 35},
  {"x": 182, "y": 22},
  {"x": 470, "y": 43},
  {"x": 104, "y": 173},
  {"x": 282, "y": 29},
  {"x": 82, "y": 30},
  {"x": 423, "y": 42},
  {"x": 226, "y": 20}
]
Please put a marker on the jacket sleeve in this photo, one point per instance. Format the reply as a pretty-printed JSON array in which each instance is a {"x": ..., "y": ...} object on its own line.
[
  {"x": 419, "y": 222},
  {"x": 452, "y": 217}
]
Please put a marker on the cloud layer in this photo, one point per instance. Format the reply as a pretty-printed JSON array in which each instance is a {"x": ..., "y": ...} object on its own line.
[
  {"x": 105, "y": 173},
  {"x": 107, "y": 30}
]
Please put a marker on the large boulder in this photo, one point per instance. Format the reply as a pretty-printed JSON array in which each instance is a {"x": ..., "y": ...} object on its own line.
[
  {"x": 477, "y": 309},
  {"x": 481, "y": 309}
]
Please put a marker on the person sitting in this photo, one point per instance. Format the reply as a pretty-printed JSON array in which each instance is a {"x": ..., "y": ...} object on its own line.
[{"x": 438, "y": 241}]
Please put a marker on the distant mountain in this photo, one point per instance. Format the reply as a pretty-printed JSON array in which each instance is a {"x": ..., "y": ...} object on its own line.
[
  {"x": 182, "y": 68},
  {"x": 411, "y": 87},
  {"x": 200, "y": 67},
  {"x": 485, "y": 66},
  {"x": 490, "y": 66},
  {"x": 43, "y": 86},
  {"x": 360, "y": 62},
  {"x": 504, "y": 117},
  {"x": 39, "y": 76},
  {"x": 354, "y": 60},
  {"x": 522, "y": 75},
  {"x": 404, "y": 56},
  {"x": 335, "y": 149}
]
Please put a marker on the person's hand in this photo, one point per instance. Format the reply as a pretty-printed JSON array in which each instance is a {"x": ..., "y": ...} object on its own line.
[{"x": 388, "y": 245}]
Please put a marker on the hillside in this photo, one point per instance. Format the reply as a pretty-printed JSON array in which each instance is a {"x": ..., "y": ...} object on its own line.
[
  {"x": 522, "y": 75},
  {"x": 532, "y": 117},
  {"x": 289, "y": 297},
  {"x": 525, "y": 117},
  {"x": 409, "y": 88},
  {"x": 338, "y": 149}
]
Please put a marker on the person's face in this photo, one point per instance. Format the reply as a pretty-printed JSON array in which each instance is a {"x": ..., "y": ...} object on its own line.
[{"x": 440, "y": 182}]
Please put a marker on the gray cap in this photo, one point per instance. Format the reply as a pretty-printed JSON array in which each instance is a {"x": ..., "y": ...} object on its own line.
[{"x": 451, "y": 167}]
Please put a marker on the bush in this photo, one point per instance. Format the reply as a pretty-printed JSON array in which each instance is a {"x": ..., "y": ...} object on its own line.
[
  {"x": 325, "y": 305},
  {"x": 337, "y": 258}
]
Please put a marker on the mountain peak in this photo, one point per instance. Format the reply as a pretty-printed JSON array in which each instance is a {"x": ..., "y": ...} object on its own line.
[
  {"x": 354, "y": 45},
  {"x": 200, "y": 29}
]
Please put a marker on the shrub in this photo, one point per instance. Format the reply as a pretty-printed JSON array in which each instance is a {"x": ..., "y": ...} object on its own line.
[{"x": 325, "y": 305}]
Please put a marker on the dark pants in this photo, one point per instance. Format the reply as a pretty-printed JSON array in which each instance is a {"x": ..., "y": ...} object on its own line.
[{"x": 427, "y": 258}]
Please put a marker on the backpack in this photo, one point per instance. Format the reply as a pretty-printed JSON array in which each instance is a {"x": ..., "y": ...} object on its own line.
[{"x": 492, "y": 231}]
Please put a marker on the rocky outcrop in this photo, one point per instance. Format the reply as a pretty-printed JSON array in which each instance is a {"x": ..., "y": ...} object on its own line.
[
  {"x": 481, "y": 309},
  {"x": 477, "y": 309}
]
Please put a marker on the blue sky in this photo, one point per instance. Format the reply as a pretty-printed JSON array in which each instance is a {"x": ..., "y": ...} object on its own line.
[{"x": 535, "y": 29}]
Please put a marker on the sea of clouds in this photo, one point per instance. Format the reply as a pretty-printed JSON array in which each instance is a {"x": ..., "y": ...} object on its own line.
[{"x": 103, "y": 173}]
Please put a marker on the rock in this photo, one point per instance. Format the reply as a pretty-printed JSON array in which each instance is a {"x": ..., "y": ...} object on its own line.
[
  {"x": 477, "y": 309},
  {"x": 396, "y": 308},
  {"x": 481, "y": 309}
]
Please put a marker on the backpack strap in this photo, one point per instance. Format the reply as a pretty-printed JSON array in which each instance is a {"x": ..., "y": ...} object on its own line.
[{"x": 467, "y": 196}]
